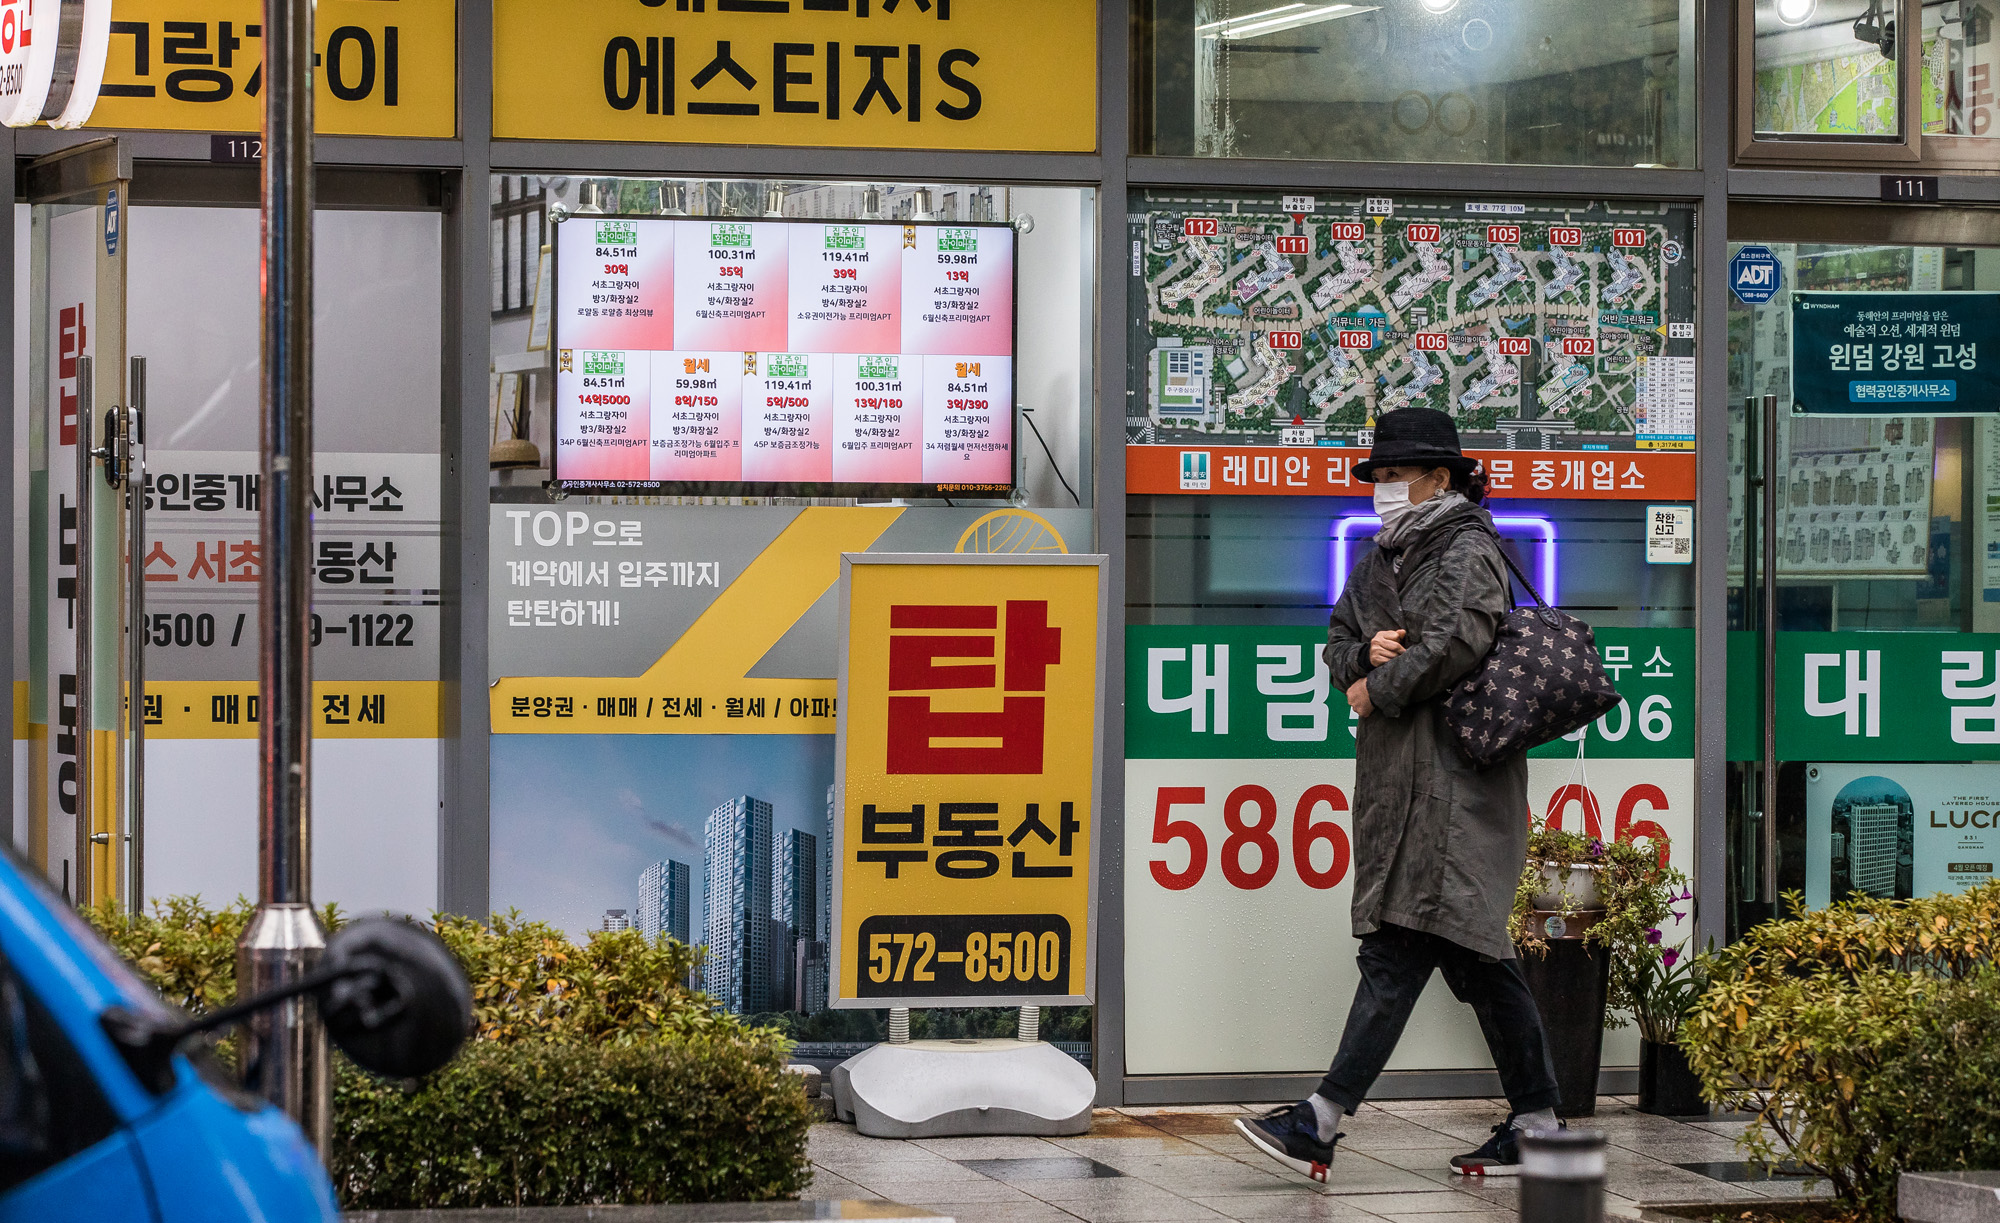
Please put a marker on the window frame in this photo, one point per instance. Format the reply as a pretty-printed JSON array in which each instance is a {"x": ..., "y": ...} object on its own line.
[{"x": 1913, "y": 150}]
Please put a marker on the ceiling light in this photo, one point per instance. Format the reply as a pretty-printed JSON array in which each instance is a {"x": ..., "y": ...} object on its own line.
[
  {"x": 1796, "y": 12},
  {"x": 1285, "y": 17},
  {"x": 1439, "y": 6},
  {"x": 1206, "y": 26}
]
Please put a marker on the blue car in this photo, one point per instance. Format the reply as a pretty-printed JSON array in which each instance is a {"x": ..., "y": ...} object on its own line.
[{"x": 103, "y": 1119}]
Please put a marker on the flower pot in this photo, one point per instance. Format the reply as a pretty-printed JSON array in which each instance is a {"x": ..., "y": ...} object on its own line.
[
  {"x": 1570, "y": 986},
  {"x": 1667, "y": 1088},
  {"x": 1574, "y": 888}
]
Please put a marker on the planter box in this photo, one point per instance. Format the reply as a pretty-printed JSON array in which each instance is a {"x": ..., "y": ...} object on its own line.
[{"x": 1949, "y": 1197}]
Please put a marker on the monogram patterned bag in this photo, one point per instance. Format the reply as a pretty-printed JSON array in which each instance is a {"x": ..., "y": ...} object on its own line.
[{"x": 1542, "y": 679}]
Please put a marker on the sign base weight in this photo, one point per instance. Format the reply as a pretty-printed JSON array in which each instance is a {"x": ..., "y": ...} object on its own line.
[{"x": 955, "y": 1088}]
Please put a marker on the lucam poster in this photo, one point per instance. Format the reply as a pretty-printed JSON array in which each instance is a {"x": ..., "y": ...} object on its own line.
[{"x": 1896, "y": 831}]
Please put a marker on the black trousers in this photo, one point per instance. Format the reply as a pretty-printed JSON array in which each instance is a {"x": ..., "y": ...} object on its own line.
[{"x": 1396, "y": 964}]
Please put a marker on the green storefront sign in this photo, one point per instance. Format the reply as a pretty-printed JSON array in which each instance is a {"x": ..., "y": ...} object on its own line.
[
  {"x": 1870, "y": 696},
  {"x": 1262, "y": 693}
]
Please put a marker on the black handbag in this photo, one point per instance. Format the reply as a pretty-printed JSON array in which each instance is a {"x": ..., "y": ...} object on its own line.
[{"x": 1542, "y": 679}]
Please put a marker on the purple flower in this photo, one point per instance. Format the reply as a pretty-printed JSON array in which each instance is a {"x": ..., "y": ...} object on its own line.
[
  {"x": 1653, "y": 937},
  {"x": 1596, "y": 848},
  {"x": 1668, "y": 957},
  {"x": 1676, "y": 915}
]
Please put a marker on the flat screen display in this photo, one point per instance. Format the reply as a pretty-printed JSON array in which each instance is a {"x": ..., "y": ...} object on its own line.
[{"x": 698, "y": 355}]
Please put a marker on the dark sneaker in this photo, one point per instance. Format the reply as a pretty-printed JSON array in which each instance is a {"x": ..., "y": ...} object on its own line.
[
  {"x": 1501, "y": 1156},
  {"x": 1290, "y": 1135}
]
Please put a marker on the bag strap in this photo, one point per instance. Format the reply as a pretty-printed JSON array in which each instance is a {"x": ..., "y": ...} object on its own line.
[{"x": 1520, "y": 577}]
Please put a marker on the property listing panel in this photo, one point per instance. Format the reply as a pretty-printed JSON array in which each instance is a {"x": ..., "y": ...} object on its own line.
[{"x": 695, "y": 350}]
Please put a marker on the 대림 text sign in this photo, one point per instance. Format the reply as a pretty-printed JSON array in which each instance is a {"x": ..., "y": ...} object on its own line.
[
  {"x": 1264, "y": 692},
  {"x": 967, "y": 779},
  {"x": 920, "y": 74},
  {"x": 1881, "y": 354}
]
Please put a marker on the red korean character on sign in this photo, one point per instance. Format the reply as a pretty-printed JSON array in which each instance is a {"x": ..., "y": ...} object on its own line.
[{"x": 1028, "y": 647}]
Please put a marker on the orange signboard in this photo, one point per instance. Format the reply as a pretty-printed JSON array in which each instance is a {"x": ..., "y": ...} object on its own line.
[{"x": 1328, "y": 471}]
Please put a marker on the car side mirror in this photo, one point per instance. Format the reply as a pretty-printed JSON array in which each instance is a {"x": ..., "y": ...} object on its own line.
[
  {"x": 399, "y": 1003},
  {"x": 391, "y": 994}
]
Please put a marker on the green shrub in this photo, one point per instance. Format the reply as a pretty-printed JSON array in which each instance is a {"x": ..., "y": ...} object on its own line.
[
  {"x": 682, "y": 1119},
  {"x": 1862, "y": 1034},
  {"x": 595, "y": 1074}
]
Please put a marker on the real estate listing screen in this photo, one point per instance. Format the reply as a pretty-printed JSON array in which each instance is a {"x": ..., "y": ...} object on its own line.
[{"x": 783, "y": 356}]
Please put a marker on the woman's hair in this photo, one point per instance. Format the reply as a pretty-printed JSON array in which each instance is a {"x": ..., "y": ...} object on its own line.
[{"x": 1471, "y": 482}]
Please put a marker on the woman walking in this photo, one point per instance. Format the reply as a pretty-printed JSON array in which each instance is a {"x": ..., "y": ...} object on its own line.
[{"x": 1439, "y": 843}]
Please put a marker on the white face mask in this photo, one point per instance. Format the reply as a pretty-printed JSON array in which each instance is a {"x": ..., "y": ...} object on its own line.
[{"x": 1392, "y": 502}]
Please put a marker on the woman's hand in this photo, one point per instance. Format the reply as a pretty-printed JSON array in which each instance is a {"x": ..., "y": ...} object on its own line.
[
  {"x": 1384, "y": 646},
  {"x": 1357, "y": 695}
]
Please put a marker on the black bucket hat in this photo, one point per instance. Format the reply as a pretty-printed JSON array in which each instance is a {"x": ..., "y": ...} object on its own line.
[{"x": 1415, "y": 437}]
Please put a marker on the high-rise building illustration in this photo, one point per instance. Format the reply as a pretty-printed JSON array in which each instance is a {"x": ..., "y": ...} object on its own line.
[
  {"x": 1871, "y": 846},
  {"x": 826, "y": 931},
  {"x": 616, "y": 920},
  {"x": 737, "y": 917},
  {"x": 795, "y": 880},
  {"x": 665, "y": 900}
]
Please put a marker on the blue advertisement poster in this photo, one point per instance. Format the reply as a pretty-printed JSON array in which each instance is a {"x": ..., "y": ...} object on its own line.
[{"x": 1873, "y": 354}]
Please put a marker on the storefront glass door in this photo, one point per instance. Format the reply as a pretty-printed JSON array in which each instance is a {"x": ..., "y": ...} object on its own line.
[{"x": 1864, "y": 440}]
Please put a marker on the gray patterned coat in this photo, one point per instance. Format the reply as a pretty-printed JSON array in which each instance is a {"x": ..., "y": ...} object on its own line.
[{"x": 1439, "y": 842}]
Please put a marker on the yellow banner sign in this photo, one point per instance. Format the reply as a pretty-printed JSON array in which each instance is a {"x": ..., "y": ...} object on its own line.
[
  {"x": 384, "y": 67},
  {"x": 230, "y": 709},
  {"x": 967, "y": 769},
  {"x": 918, "y": 74}
]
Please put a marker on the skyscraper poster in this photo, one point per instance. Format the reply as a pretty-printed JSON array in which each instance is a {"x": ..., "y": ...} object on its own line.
[
  {"x": 967, "y": 779},
  {"x": 663, "y": 708},
  {"x": 1896, "y": 831}
]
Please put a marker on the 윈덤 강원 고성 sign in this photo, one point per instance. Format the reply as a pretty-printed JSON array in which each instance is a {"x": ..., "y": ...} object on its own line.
[
  {"x": 965, "y": 837},
  {"x": 1879, "y": 354}
]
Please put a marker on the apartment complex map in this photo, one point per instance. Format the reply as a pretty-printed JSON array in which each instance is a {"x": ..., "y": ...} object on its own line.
[{"x": 1271, "y": 320}]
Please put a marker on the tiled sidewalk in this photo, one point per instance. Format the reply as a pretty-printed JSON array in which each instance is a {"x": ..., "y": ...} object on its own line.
[{"x": 1141, "y": 1165}]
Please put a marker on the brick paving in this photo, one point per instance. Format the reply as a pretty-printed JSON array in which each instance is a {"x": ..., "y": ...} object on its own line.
[{"x": 1166, "y": 1165}]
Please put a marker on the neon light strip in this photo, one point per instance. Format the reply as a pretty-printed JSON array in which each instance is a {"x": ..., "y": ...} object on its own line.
[{"x": 1542, "y": 530}]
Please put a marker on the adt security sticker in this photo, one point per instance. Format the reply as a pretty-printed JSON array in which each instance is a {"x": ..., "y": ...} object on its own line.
[{"x": 1755, "y": 275}]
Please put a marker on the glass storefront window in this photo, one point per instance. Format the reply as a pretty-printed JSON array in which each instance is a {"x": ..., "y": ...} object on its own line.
[
  {"x": 1531, "y": 82},
  {"x": 1828, "y": 69},
  {"x": 1887, "y": 599},
  {"x": 1960, "y": 60},
  {"x": 1054, "y": 280}
]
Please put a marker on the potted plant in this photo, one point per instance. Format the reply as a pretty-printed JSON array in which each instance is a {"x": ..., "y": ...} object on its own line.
[
  {"x": 1664, "y": 988},
  {"x": 1584, "y": 908}
]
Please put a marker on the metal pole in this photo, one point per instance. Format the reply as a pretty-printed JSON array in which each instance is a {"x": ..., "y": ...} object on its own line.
[
  {"x": 285, "y": 1050},
  {"x": 1562, "y": 1177},
  {"x": 135, "y": 631},
  {"x": 1770, "y": 592},
  {"x": 83, "y": 616}
]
